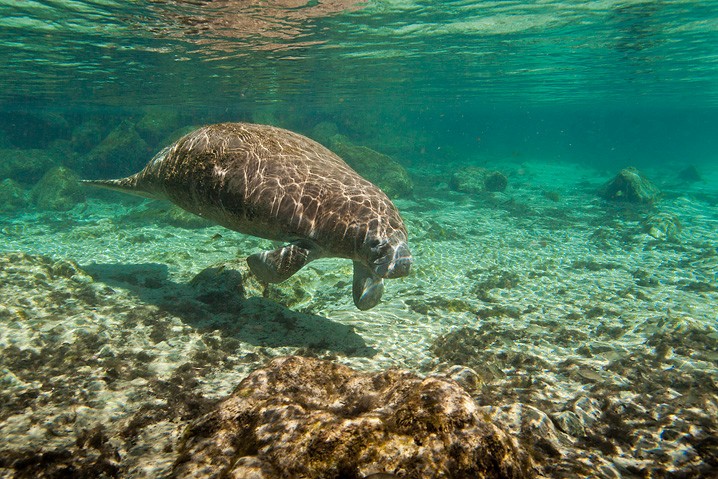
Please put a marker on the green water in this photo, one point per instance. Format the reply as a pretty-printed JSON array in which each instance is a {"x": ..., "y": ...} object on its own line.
[
  {"x": 604, "y": 81},
  {"x": 584, "y": 326}
]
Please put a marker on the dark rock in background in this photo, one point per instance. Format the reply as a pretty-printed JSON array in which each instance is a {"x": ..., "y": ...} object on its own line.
[
  {"x": 631, "y": 187},
  {"x": 12, "y": 196},
  {"x": 87, "y": 135},
  {"x": 59, "y": 189},
  {"x": 121, "y": 153},
  {"x": 26, "y": 166},
  {"x": 378, "y": 168},
  {"x": 303, "y": 417},
  {"x": 164, "y": 212},
  {"x": 157, "y": 123},
  {"x": 324, "y": 131},
  {"x": 475, "y": 179},
  {"x": 690, "y": 174},
  {"x": 34, "y": 129}
]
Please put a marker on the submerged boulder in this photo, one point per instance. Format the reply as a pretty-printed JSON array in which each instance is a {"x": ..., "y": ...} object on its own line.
[
  {"x": 12, "y": 196},
  {"x": 35, "y": 128},
  {"x": 157, "y": 123},
  {"x": 59, "y": 190},
  {"x": 631, "y": 187},
  {"x": 475, "y": 179},
  {"x": 376, "y": 167},
  {"x": 87, "y": 135},
  {"x": 304, "y": 417},
  {"x": 122, "y": 152},
  {"x": 26, "y": 166}
]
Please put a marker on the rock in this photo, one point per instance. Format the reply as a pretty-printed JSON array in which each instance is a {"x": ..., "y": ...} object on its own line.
[
  {"x": 690, "y": 174},
  {"x": 303, "y": 417},
  {"x": 220, "y": 286},
  {"x": 120, "y": 153},
  {"x": 546, "y": 443},
  {"x": 26, "y": 166},
  {"x": 226, "y": 284},
  {"x": 176, "y": 216},
  {"x": 157, "y": 123},
  {"x": 323, "y": 132},
  {"x": 86, "y": 135},
  {"x": 630, "y": 187},
  {"x": 380, "y": 169},
  {"x": 474, "y": 179},
  {"x": 466, "y": 377},
  {"x": 34, "y": 129},
  {"x": 570, "y": 423},
  {"x": 481, "y": 349},
  {"x": 12, "y": 196},
  {"x": 59, "y": 190},
  {"x": 663, "y": 226},
  {"x": 587, "y": 410}
]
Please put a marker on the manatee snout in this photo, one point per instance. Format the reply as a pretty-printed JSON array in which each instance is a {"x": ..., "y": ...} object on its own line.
[{"x": 395, "y": 263}]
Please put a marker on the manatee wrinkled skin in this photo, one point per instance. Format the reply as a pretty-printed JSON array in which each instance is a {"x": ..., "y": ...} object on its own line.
[{"x": 279, "y": 185}]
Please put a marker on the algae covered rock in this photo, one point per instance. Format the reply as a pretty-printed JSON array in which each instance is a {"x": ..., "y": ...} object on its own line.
[
  {"x": 631, "y": 187},
  {"x": 157, "y": 123},
  {"x": 324, "y": 131},
  {"x": 380, "y": 169},
  {"x": 26, "y": 166},
  {"x": 59, "y": 190},
  {"x": 303, "y": 417},
  {"x": 35, "y": 128},
  {"x": 175, "y": 135},
  {"x": 86, "y": 136},
  {"x": 475, "y": 179},
  {"x": 121, "y": 152},
  {"x": 12, "y": 196}
]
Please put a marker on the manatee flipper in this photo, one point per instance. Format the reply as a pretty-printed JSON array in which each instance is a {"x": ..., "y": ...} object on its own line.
[
  {"x": 367, "y": 288},
  {"x": 277, "y": 265}
]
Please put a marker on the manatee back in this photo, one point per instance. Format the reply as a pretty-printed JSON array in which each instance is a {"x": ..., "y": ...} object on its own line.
[{"x": 271, "y": 183}]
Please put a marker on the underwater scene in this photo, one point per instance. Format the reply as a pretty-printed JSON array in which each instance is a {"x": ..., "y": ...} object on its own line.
[{"x": 348, "y": 239}]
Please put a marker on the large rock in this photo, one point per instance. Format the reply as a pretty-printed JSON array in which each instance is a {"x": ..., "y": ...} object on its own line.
[
  {"x": 157, "y": 123},
  {"x": 474, "y": 179},
  {"x": 380, "y": 169},
  {"x": 26, "y": 166},
  {"x": 121, "y": 152},
  {"x": 631, "y": 187},
  {"x": 303, "y": 417},
  {"x": 87, "y": 135},
  {"x": 59, "y": 190},
  {"x": 12, "y": 196},
  {"x": 33, "y": 129}
]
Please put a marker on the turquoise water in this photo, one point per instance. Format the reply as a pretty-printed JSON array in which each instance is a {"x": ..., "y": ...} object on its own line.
[
  {"x": 581, "y": 323},
  {"x": 603, "y": 82}
]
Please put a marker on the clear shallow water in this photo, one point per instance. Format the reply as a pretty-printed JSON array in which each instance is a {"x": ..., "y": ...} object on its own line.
[
  {"x": 604, "y": 82},
  {"x": 577, "y": 307},
  {"x": 214, "y": 53}
]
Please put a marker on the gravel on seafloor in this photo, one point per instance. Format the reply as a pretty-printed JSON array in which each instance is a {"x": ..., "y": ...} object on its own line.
[{"x": 586, "y": 329}]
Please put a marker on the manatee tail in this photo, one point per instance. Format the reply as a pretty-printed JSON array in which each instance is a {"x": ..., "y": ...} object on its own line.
[{"x": 132, "y": 185}]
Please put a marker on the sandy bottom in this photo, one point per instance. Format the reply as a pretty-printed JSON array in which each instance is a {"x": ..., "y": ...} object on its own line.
[{"x": 589, "y": 330}]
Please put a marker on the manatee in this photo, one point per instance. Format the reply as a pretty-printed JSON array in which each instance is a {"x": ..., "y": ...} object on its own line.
[{"x": 272, "y": 183}]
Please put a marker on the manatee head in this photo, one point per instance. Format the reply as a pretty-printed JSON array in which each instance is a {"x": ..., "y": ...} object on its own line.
[{"x": 390, "y": 257}]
